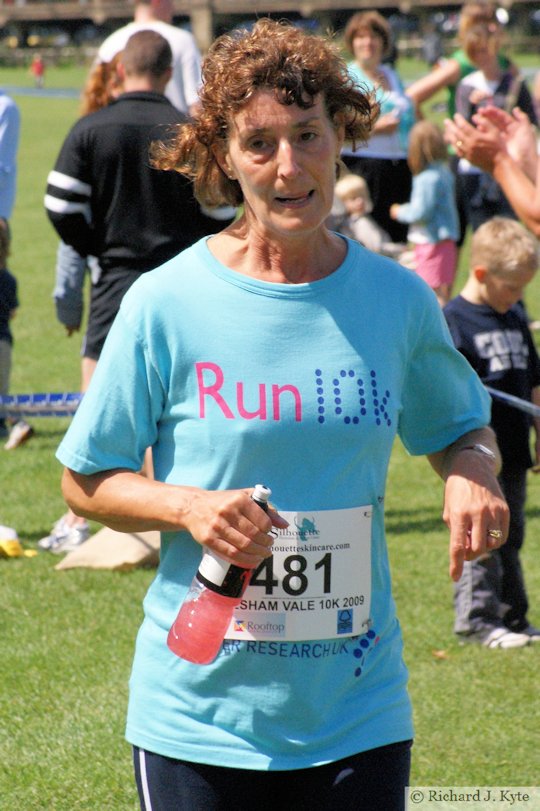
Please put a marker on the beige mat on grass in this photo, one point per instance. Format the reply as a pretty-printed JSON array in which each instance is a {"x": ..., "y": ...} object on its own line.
[{"x": 121, "y": 551}]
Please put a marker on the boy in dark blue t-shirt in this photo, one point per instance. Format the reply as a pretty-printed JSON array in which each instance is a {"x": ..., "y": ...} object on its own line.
[{"x": 489, "y": 326}]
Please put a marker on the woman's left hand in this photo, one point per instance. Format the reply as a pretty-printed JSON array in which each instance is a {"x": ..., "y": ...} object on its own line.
[{"x": 475, "y": 510}]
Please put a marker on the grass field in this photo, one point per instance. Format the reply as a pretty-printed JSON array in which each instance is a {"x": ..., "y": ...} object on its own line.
[{"x": 66, "y": 638}]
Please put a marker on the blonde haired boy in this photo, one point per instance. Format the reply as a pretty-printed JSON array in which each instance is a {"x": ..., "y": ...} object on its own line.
[{"x": 489, "y": 326}]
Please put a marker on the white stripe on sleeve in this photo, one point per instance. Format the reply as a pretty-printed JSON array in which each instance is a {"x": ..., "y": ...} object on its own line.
[
  {"x": 59, "y": 206},
  {"x": 68, "y": 183}
]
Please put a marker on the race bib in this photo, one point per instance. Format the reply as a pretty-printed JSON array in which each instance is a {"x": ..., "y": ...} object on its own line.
[{"x": 316, "y": 585}]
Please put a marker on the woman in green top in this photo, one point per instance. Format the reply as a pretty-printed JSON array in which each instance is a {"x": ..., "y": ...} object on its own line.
[{"x": 450, "y": 72}]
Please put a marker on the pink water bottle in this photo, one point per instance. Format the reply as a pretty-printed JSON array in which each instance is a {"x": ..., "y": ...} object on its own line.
[{"x": 217, "y": 588}]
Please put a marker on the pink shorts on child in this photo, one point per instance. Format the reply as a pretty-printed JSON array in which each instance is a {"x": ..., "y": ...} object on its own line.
[{"x": 436, "y": 263}]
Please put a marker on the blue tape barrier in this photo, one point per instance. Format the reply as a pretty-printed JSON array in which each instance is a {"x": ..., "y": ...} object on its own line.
[
  {"x": 516, "y": 402},
  {"x": 65, "y": 404},
  {"x": 52, "y": 404}
]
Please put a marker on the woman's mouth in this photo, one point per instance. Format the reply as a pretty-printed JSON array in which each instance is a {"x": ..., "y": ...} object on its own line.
[{"x": 295, "y": 201}]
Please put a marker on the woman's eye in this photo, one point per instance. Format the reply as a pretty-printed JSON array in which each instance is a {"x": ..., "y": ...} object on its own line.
[{"x": 258, "y": 144}]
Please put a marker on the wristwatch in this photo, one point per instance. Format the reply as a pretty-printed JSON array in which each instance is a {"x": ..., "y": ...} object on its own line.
[{"x": 480, "y": 449}]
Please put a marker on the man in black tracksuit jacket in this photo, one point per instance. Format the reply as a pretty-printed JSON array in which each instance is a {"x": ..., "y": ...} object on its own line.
[{"x": 105, "y": 199}]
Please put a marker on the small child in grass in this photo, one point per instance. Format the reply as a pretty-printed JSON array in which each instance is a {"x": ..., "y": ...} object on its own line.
[
  {"x": 352, "y": 192},
  {"x": 9, "y": 303},
  {"x": 8, "y": 306}
]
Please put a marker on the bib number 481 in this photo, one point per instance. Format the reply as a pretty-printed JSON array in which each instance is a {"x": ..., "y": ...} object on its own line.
[{"x": 295, "y": 581}]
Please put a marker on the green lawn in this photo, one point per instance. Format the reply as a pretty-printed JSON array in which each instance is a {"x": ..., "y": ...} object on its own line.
[{"x": 66, "y": 639}]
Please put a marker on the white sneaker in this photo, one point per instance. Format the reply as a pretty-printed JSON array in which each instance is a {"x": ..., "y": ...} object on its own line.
[
  {"x": 56, "y": 532},
  {"x": 64, "y": 538},
  {"x": 498, "y": 638},
  {"x": 19, "y": 434}
]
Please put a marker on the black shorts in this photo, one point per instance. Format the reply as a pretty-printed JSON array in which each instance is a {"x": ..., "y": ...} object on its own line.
[
  {"x": 105, "y": 298},
  {"x": 371, "y": 781}
]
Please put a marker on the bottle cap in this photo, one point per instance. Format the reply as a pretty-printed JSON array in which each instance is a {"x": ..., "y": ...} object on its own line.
[{"x": 261, "y": 493}]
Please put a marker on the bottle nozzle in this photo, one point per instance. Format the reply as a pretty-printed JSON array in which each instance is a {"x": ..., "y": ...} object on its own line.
[{"x": 261, "y": 493}]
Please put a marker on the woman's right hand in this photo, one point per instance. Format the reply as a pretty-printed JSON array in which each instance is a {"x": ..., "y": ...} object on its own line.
[
  {"x": 232, "y": 525},
  {"x": 227, "y": 521}
]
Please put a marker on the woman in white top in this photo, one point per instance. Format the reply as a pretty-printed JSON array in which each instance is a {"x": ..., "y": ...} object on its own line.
[{"x": 382, "y": 161}]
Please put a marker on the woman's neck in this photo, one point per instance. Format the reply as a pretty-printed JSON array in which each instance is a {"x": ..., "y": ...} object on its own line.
[
  {"x": 303, "y": 259},
  {"x": 371, "y": 70},
  {"x": 492, "y": 70}
]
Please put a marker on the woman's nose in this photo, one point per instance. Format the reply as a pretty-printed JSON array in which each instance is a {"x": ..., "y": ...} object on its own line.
[{"x": 287, "y": 161}]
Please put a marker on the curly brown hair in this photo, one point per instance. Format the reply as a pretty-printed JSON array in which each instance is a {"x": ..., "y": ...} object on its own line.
[{"x": 296, "y": 65}]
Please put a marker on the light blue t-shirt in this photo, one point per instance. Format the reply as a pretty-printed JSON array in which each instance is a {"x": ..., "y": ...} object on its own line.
[
  {"x": 392, "y": 145},
  {"x": 304, "y": 387},
  {"x": 433, "y": 204}
]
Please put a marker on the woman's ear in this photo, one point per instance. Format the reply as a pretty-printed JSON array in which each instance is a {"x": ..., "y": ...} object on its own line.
[
  {"x": 223, "y": 161},
  {"x": 340, "y": 137}
]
